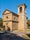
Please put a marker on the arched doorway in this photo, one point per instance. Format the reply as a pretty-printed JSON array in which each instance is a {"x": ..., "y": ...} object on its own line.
[
  {"x": 4, "y": 27},
  {"x": 8, "y": 29}
]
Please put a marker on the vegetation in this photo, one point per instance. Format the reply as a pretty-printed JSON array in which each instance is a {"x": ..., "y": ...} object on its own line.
[
  {"x": 28, "y": 30},
  {"x": 1, "y": 24},
  {"x": 28, "y": 22},
  {"x": 25, "y": 36},
  {"x": 21, "y": 30},
  {"x": 28, "y": 35}
]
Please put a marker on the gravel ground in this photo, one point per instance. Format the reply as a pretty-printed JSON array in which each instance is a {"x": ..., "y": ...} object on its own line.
[{"x": 11, "y": 36}]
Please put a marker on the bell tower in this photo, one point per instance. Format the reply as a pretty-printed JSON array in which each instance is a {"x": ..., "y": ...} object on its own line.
[
  {"x": 21, "y": 8},
  {"x": 22, "y": 17}
]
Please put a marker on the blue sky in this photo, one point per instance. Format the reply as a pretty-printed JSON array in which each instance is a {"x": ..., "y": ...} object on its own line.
[{"x": 13, "y": 6}]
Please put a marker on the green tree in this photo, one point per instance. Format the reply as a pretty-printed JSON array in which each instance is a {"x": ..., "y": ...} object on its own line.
[
  {"x": 28, "y": 22},
  {"x": 1, "y": 22}
]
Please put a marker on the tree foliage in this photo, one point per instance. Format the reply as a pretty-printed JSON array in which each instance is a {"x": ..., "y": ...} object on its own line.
[
  {"x": 1, "y": 22},
  {"x": 28, "y": 22}
]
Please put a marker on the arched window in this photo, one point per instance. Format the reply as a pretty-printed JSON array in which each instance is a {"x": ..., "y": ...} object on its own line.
[
  {"x": 6, "y": 16},
  {"x": 20, "y": 9}
]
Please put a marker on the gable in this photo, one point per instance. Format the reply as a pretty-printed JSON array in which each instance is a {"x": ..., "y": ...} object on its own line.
[{"x": 6, "y": 12}]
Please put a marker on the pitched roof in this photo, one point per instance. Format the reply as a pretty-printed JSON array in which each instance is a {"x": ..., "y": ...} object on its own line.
[{"x": 10, "y": 12}]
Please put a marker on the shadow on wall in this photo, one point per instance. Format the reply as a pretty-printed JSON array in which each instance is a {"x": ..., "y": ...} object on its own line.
[{"x": 11, "y": 36}]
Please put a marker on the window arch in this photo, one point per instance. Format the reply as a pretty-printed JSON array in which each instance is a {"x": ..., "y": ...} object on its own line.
[{"x": 20, "y": 9}]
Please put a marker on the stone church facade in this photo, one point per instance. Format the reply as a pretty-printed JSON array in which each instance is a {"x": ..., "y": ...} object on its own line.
[{"x": 15, "y": 21}]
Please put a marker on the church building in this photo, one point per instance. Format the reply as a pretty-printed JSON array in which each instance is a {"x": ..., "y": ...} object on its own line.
[{"x": 15, "y": 21}]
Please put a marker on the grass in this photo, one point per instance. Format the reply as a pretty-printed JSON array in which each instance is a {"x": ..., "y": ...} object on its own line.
[
  {"x": 28, "y": 30},
  {"x": 28, "y": 35},
  {"x": 25, "y": 36},
  {"x": 20, "y": 30},
  {"x": 1, "y": 29}
]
